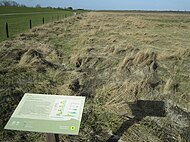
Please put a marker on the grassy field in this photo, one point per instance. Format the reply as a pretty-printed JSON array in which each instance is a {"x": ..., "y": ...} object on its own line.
[
  {"x": 19, "y": 22},
  {"x": 11, "y": 9},
  {"x": 133, "y": 69}
]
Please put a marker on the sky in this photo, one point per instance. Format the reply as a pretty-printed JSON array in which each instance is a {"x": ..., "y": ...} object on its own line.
[{"x": 113, "y": 4}]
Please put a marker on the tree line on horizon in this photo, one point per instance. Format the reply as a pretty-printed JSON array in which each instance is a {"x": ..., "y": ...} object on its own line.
[
  {"x": 11, "y": 3},
  {"x": 15, "y": 4}
]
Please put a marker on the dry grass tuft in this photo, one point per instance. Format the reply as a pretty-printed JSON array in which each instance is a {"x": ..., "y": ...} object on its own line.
[
  {"x": 145, "y": 57},
  {"x": 178, "y": 54},
  {"x": 127, "y": 62},
  {"x": 30, "y": 57},
  {"x": 171, "y": 86},
  {"x": 124, "y": 49}
]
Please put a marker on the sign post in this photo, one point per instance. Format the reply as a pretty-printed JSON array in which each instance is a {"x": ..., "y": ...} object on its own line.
[
  {"x": 52, "y": 137},
  {"x": 7, "y": 30},
  {"x": 51, "y": 114}
]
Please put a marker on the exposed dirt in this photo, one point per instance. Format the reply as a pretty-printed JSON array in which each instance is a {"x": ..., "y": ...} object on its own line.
[{"x": 132, "y": 67}]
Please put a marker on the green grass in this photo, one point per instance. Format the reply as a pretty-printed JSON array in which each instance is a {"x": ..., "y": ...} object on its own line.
[
  {"x": 7, "y": 9},
  {"x": 19, "y": 23}
]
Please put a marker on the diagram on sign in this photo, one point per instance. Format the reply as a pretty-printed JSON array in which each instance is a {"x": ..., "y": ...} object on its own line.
[{"x": 66, "y": 109}]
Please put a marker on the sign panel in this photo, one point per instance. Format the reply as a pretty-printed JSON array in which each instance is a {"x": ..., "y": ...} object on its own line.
[{"x": 48, "y": 113}]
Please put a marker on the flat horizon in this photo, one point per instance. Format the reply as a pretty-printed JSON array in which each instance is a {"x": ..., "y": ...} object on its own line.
[{"x": 148, "y": 5}]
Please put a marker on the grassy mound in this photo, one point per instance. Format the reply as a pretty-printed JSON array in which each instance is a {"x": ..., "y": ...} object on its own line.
[{"x": 133, "y": 69}]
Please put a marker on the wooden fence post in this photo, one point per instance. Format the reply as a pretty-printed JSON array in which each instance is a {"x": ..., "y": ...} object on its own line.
[
  {"x": 52, "y": 19},
  {"x": 52, "y": 137},
  {"x": 43, "y": 20},
  {"x": 7, "y": 30},
  {"x": 30, "y": 24}
]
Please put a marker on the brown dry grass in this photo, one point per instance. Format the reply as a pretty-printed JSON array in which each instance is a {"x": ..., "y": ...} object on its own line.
[{"x": 113, "y": 56}]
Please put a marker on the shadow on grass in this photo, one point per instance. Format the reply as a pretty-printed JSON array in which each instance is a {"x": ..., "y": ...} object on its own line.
[{"x": 140, "y": 109}]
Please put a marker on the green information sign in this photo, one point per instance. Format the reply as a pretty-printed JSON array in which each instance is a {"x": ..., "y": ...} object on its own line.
[{"x": 48, "y": 113}]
